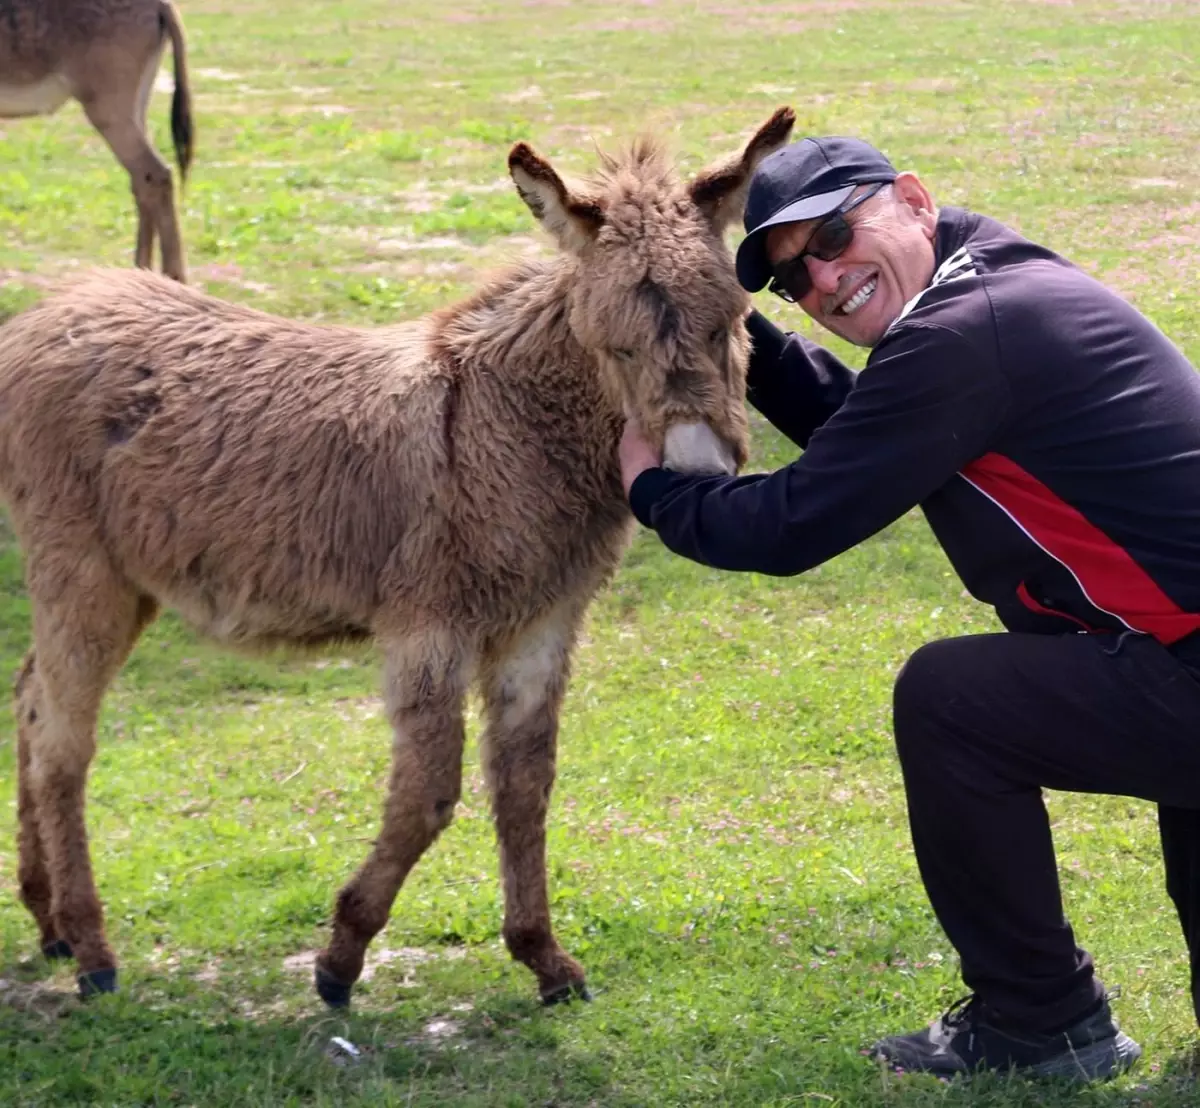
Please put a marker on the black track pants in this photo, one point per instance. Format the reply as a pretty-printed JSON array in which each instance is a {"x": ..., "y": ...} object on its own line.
[{"x": 983, "y": 723}]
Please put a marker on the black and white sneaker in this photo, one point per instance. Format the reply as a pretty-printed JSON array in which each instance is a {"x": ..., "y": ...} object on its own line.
[{"x": 965, "y": 1041}]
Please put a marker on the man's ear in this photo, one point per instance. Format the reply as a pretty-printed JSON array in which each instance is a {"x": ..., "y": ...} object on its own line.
[{"x": 910, "y": 191}]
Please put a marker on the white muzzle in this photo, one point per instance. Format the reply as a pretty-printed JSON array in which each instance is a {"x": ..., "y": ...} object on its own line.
[{"x": 696, "y": 448}]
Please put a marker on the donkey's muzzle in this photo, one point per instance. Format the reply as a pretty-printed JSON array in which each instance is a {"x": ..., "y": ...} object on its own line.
[{"x": 697, "y": 448}]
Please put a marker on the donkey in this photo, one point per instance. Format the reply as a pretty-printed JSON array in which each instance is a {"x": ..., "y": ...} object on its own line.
[
  {"x": 448, "y": 487},
  {"x": 105, "y": 54}
]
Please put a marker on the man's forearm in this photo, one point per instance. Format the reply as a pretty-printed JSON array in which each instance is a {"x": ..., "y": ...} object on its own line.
[{"x": 796, "y": 384}]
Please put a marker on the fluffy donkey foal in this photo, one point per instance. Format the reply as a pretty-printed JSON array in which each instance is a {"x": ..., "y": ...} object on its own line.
[{"x": 447, "y": 486}]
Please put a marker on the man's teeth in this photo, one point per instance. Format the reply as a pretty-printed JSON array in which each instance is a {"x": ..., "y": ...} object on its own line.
[{"x": 860, "y": 298}]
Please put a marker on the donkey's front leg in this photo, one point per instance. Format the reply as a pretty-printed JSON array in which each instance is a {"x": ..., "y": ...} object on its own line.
[
  {"x": 523, "y": 690},
  {"x": 425, "y": 682}
]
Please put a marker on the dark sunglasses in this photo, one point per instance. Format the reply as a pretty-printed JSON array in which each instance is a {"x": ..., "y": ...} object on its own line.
[{"x": 829, "y": 240}]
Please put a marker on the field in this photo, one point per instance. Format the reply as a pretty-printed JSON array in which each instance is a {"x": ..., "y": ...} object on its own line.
[{"x": 728, "y": 844}]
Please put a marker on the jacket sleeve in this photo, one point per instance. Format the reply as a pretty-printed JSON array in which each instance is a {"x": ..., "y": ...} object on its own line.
[
  {"x": 795, "y": 383},
  {"x": 927, "y": 404}
]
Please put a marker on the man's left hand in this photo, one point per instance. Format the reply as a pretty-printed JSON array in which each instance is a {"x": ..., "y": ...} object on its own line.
[{"x": 636, "y": 454}]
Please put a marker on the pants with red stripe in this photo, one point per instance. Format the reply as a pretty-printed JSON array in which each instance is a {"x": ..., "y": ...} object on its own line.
[{"x": 983, "y": 724}]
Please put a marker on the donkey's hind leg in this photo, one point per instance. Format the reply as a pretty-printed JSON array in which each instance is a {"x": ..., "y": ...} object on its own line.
[
  {"x": 32, "y": 875},
  {"x": 116, "y": 108},
  {"x": 523, "y": 689},
  {"x": 426, "y": 678},
  {"x": 85, "y": 621}
]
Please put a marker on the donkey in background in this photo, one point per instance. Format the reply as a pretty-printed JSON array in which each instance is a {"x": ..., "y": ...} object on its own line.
[
  {"x": 448, "y": 487},
  {"x": 105, "y": 54}
]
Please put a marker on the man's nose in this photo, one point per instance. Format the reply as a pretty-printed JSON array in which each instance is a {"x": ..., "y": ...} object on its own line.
[{"x": 825, "y": 275}]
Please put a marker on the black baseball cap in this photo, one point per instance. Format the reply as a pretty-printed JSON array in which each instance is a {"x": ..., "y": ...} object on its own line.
[{"x": 804, "y": 180}]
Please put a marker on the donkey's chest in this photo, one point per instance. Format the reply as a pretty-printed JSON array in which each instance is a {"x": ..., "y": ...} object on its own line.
[
  {"x": 34, "y": 98},
  {"x": 538, "y": 557}
]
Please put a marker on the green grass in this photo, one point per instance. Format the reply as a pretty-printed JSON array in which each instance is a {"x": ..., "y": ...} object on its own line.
[{"x": 728, "y": 847}]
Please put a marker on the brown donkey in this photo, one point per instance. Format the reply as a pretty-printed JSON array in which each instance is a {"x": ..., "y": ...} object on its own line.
[
  {"x": 105, "y": 53},
  {"x": 448, "y": 487}
]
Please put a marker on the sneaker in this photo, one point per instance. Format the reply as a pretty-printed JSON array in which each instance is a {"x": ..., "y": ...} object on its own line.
[{"x": 964, "y": 1041}]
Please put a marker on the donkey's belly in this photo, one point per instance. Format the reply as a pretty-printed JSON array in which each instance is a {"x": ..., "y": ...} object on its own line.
[
  {"x": 40, "y": 98},
  {"x": 249, "y": 625}
]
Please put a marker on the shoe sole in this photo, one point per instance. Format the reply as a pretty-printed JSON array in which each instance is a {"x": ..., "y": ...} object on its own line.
[
  {"x": 1096, "y": 1062},
  {"x": 1107, "y": 1058}
]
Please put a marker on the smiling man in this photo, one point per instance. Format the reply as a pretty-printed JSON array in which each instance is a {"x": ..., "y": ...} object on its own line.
[{"x": 1051, "y": 435}]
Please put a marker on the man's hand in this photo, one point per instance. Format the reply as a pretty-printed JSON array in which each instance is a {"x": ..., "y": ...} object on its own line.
[{"x": 636, "y": 455}]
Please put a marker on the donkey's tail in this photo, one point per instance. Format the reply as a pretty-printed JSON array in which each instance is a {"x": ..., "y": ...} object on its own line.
[{"x": 182, "y": 131}]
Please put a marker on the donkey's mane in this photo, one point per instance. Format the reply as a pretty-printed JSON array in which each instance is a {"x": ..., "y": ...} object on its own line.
[
  {"x": 514, "y": 317},
  {"x": 645, "y": 161}
]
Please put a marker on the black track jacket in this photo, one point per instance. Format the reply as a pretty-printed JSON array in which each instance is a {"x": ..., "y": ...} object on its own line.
[{"x": 1049, "y": 432}]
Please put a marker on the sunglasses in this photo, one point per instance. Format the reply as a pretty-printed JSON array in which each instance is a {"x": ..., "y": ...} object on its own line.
[{"x": 830, "y": 239}]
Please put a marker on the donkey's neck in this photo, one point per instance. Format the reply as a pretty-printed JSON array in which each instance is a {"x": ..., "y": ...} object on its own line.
[{"x": 517, "y": 328}]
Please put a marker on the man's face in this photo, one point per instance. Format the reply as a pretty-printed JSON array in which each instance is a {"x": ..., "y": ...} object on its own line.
[{"x": 890, "y": 259}]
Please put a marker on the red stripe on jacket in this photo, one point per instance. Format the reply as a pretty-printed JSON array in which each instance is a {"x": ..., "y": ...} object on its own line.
[{"x": 1106, "y": 573}]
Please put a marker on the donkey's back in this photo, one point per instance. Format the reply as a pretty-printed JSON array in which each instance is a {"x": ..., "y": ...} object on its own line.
[{"x": 258, "y": 474}]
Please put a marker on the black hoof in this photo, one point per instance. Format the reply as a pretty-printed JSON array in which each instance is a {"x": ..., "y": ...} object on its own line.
[
  {"x": 55, "y": 949},
  {"x": 97, "y": 982},
  {"x": 331, "y": 990},
  {"x": 564, "y": 993}
]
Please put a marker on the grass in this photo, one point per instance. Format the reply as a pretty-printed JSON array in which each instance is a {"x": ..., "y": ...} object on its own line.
[{"x": 728, "y": 846}]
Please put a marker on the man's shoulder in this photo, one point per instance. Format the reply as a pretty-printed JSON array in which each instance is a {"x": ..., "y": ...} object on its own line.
[{"x": 977, "y": 256}]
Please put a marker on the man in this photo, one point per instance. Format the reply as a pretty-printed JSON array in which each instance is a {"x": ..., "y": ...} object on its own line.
[{"x": 1051, "y": 435}]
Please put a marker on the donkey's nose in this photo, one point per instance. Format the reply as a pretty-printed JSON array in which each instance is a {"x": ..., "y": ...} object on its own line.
[{"x": 697, "y": 448}]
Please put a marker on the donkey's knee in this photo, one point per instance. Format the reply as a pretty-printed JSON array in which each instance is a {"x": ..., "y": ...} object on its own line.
[{"x": 153, "y": 192}]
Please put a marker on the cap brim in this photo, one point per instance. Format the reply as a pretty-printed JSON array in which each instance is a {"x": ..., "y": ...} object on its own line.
[{"x": 753, "y": 268}]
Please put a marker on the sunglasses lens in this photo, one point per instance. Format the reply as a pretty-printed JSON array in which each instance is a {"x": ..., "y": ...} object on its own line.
[
  {"x": 831, "y": 238},
  {"x": 781, "y": 291},
  {"x": 791, "y": 281}
]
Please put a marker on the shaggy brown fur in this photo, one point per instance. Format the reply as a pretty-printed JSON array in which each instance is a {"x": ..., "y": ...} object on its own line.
[
  {"x": 448, "y": 487},
  {"x": 105, "y": 53}
]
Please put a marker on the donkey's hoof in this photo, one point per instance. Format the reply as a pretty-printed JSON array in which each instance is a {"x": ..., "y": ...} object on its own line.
[
  {"x": 56, "y": 949},
  {"x": 331, "y": 990},
  {"x": 97, "y": 982},
  {"x": 564, "y": 993}
]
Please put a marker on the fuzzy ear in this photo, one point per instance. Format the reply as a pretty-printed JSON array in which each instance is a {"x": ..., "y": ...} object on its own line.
[
  {"x": 720, "y": 190},
  {"x": 574, "y": 221}
]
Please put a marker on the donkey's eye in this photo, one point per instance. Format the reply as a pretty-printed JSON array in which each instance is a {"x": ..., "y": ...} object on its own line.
[
  {"x": 622, "y": 353},
  {"x": 718, "y": 336}
]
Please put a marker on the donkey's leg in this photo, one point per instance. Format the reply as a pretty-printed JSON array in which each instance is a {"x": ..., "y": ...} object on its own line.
[
  {"x": 32, "y": 875},
  {"x": 85, "y": 620},
  {"x": 425, "y": 681},
  {"x": 146, "y": 215},
  {"x": 116, "y": 113},
  {"x": 523, "y": 690}
]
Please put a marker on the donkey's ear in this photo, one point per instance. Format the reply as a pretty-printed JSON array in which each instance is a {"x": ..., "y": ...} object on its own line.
[
  {"x": 574, "y": 221},
  {"x": 720, "y": 190}
]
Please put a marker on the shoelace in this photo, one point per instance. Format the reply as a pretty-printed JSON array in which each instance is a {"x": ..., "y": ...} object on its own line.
[
  {"x": 962, "y": 1012},
  {"x": 961, "y": 1016}
]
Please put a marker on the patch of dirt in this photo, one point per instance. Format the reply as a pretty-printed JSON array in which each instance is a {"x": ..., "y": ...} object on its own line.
[
  {"x": 403, "y": 269},
  {"x": 631, "y": 23},
  {"x": 430, "y": 242},
  {"x": 327, "y": 110},
  {"x": 230, "y": 273},
  {"x": 530, "y": 92},
  {"x": 407, "y": 957},
  {"x": 33, "y": 280},
  {"x": 37, "y": 998}
]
